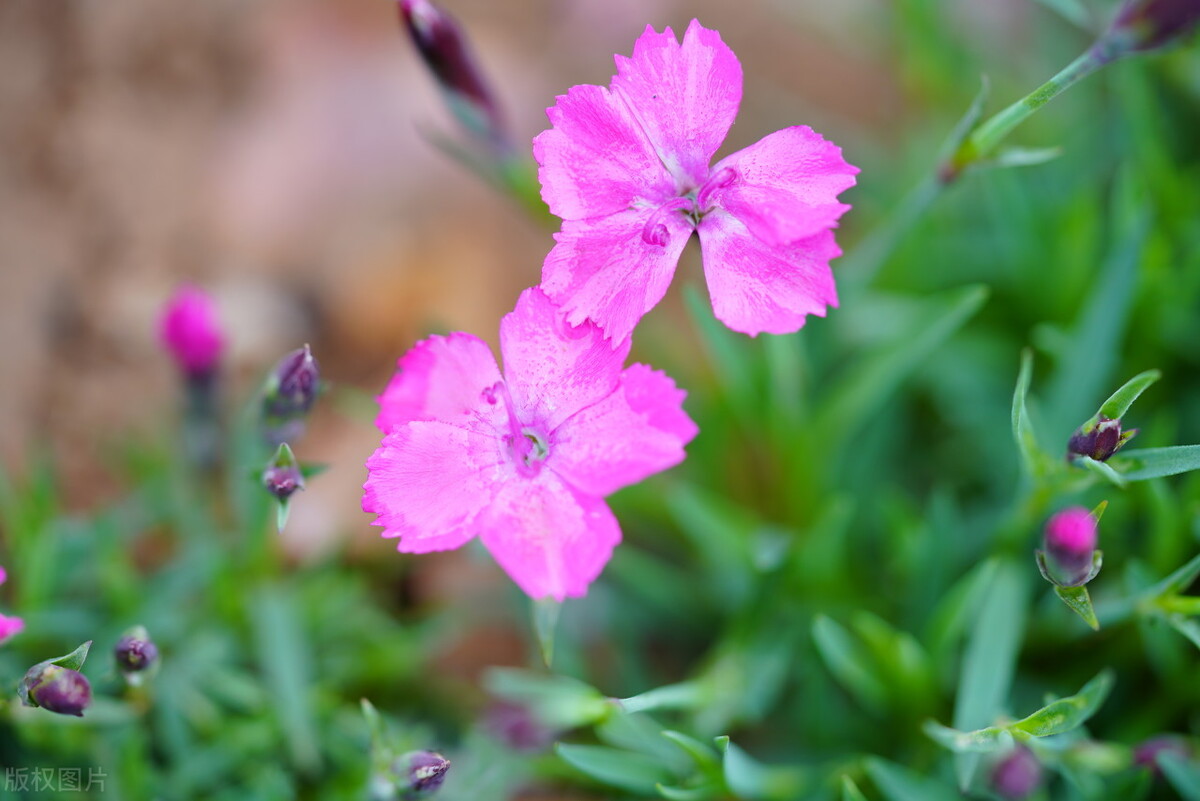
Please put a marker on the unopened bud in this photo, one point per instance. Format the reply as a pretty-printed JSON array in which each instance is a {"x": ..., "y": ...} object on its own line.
[
  {"x": 292, "y": 388},
  {"x": 283, "y": 475},
  {"x": 1017, "y": 775},
  {"x": 136, "y": 654},
  {"x": 420, "y": 772},
  {"x": 1146, "y": 753},
  {"x": 190, "y": 332},
  {"x": 1099, "y": 439},
  {"x": 57, "y": 689},
  {"x": 1070, "y": 558},
  {"x": 447, "y": 53},
  {"x": 1148, "y": 24}
]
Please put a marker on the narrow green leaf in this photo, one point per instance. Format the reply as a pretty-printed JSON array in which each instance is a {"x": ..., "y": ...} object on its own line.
[
  {"x": 685, "y": 695},
  {"x": 1186, "y": 626},
  {"x": 1159, "y": 462},
  {"x": 869, "y": 385},
  {"x": 644, "y": 735},
  {"x": 545, "y": 621},
  {"x": 1022, "y": 431},
  {"x": 749, "y": 779},
  {"x": 850, "y": 791},
  {"x": 1178, "y": 581},
  {"x": 1068, "y": 713},
  {"x": 901, "y": 784},
  {"x": 728, "y": 352},
  {"x": 1101, "y": 469},
  {"x": 701, "y": 793},
  {"x": 558, "y": 701},
  {"x": 1119, "y": 402},
  {"x": 705, "y": 758},
  {"x": 1024, "y": 156},
  {"x": 847, "y": 663},
  {"x": 1080, "y": 602},
  {"x": 1183, "y": 774},
  {"x": 993, "y": 738},
  {"x": 636, "y": 773},
  {"x": 286, "y": 663}
]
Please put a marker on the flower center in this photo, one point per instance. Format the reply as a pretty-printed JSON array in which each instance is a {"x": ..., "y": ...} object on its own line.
[
  {"x": 691, "y": 203},
  {"x": 527, "y": 446}
]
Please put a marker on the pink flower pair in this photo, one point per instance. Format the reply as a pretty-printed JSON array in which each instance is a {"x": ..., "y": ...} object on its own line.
[{"x": 524, "y": 459}]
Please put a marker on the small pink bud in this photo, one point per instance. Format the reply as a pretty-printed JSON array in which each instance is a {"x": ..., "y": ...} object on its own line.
[
  {"x": 1070, "y": 547},
  {"x": 1018, "y": 775},
  {"x": 190, "y": 331}
]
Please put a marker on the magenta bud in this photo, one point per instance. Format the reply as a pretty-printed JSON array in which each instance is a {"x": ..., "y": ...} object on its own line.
[
  {"x": 1099, "y": 440},
  {"x": 58, "y": 689},
  {"x": 447, "y": 53},
  {"x": 1017, "y": 775},
  {"x": 190, "y": 332},
  {"x": 292, "y": 388},
  {"x": 1146, "y": 753},
  {"x": 1149, "y": 24},
  {"x": 135, "y": 652},
  {"x": 421, "y": 773},
  {"x": 283, "y": 475},
  {"x": 1070, "y": 558}
]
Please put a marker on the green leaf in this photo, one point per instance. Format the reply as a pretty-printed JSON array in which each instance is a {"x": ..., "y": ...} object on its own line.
[
  {"x": 1178, "y": 581},
  {"x": 636, "y": 773},
  {"x": 869, "y": 384},
  {"x": 685, "y": 695},
  {"x": 993, "y": 738},
  {"x": 1101, "y": 469},
  {"x": 1023, "y": 157},
  {"x": 1022, "y": 431},
  {"x": 1119, "y": 402},
  {"x": 901, "y": 784},
  {"x": 644, "y": 735},
  {"x": 1159, "y": 462},
  {"x": 1186, "y": 626},
  {"x": 705, "y": 758},
  {"x": 1183, "y": 774},
  {"x": 700, "y": 793},
  {"x": 1080, "y": 602},
  {"x": 559, "y": 702},
  {"x": 850, "y": 791},
  {"x": 1068, "y": 713},
  {"x": 545, "y": 621},
  {"x": 286, "y": 663},
  {"x": 847, "y": 662},
  {"x": 749, "y": 779},
  {"x": 73, "y": 660},
  {"x": 1073, "y": 11},
  {"x": 990, "y": 658}
]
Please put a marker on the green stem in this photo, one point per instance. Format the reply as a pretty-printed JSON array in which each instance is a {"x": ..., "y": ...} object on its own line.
[{"x": 988, "y": 135}]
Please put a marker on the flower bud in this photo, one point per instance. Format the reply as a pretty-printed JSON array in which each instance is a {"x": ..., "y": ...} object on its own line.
[
  {"x": 136, "y": 654},
  {"x": 1149, "y": 24},
  {"x": 57, "y": 689},
  {"x": 1017, "y": 775},
  {"x": 1146, "y": 753},
  {"x": 1070, "y": 558},
  {"x": 283, "y": 475},
  {"x": 190, "y": 332},
  {"x": 420, "y": 772},
  {"x": 292, "y": 388},
  {"x": 1099, "y": 439},
  {"x": 447, "y": 54}
]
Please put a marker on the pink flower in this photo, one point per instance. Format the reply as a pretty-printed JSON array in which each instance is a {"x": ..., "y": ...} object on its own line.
[
  {"x": 9, "y": 626},
  {"x": 627, "y": 168},
  {"x": 522, "y": 460},
  {"x": 190, "y": 331}
]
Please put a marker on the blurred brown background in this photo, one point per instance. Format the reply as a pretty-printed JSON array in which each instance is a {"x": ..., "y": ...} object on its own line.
[{"x": 272, "y": 153}]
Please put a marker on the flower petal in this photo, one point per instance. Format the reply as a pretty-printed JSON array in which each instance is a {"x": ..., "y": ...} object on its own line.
[
  {"x": 440, "y": 378},
  {"x": 785, "y": 186},
  {"x": 596, "y": 160},
  {"x": 551, "y": 540},
  {"x": 554, "y": 369},
  {"x": 685, "y": 96},
  {"x": 635, "y": 432},
  {"x": 428, "y": 481},
  {"x": 614, "y": 269},
  {"x": 757, "y": 287},
  {"x": 10, "y": 627}
]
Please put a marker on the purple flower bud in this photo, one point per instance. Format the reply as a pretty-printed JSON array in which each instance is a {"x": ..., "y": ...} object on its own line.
[
  {"x": 1017, "y": 775},
  {"x": 189, "y": 330},
  {"x": 1069, "y": 555},
  {"x": 1099, "y": 440},
  {"x": 1148, "y": 24},
  {"x": 135, "y": 652},
  {"x": 293, "y": 385},
  {"x": 283, "y": 475},
  {"x": 421, "y": 773},
  {"x": 1146, "y": 753},
  {"x": 58, "y": 689},
  {"x": 447, "y": 54}
]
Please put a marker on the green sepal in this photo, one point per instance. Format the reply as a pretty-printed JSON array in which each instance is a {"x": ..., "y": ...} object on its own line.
[
  {"x": 1119, "y": 402},
  {"x": 1080, "y": 602}
]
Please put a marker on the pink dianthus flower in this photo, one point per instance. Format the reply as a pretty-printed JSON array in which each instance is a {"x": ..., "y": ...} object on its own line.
[
  {"x": 9, "y": 626},
  {"x": 628, "y": 170},
  {"x": 190, "y": 331},
  {"x": 522, "y": 460}
]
